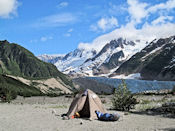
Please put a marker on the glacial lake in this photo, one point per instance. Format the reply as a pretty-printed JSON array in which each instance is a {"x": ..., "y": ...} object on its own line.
[{"x": 136, "y": 86}]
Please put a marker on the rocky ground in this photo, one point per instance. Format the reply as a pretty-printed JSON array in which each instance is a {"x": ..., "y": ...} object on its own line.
[{"x": 44, "y": 114}]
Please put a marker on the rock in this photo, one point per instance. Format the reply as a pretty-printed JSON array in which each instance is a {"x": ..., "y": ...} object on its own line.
[
  {"x": 53, "y": 111},
  {"x": 126, "y": 113},
  {"x": 81, "y": 123},
  {"x": 169, "y": 104},
  {"x": 65, "y": 118}
]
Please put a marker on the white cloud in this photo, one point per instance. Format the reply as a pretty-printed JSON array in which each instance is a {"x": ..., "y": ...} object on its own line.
[
  {"x": 137, "y": 10},
  {"x": 147, "y": 33},
  {"x": 117, "y": 9},
  {"x": 42, "y": 39},
  {"x": 162, "y": 6},
  {"x": 105, "y": 24},
  {"x": 8, "y": 7},
  {"x": 45, "y": 38},
  {"x": 56, "y": 20},
  {"x": 162, "y": 19},
  {"x": 160, "y": 27},
  {"x": 63, "y": 4},
  {"x": 67, "y": 35},
  {"x": 70, "y": 30},
  {"x": 34, "y": 41},
  {"x": 93, "y": 27}
]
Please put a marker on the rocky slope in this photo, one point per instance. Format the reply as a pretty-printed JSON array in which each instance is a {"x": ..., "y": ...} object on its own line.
[{"x": 155, "y": 62}]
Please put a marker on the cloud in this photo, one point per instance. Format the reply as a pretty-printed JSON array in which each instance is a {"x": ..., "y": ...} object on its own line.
[
  {"x": 117, "y": 10},
  {"x": 63, "y": 4},
  {"x": 70, "y": 30},
  {"x": 147, "y": 33},
  {"x": 8, "y": 8},
  {"x": 170, "y": 4},
  {"x": 139, "y": 12},
  {"x": 56, "y": 20},
  {"x": 34, "y": 41},
  {"x": 45, "y": 38},
  {"x": 162, "y": 19},
  {"x": 42, "y": 39},
  {"x": 68, "y": 34},
  {"x": 105, "y": 24}
]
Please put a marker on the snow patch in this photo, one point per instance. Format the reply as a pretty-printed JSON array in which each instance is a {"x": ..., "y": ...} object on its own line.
[
  {"x": 131, "y": 76},
  {"x": 153, "y": 51}
]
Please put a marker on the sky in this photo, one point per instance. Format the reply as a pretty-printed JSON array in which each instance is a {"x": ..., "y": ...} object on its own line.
[{"x": 60, "y": 26}]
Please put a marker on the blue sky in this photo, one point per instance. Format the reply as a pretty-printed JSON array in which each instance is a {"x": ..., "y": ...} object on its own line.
[{"x": 60, "y": 26}]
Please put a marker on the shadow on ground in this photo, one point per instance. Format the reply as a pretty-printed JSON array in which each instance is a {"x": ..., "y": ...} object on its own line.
[
  {"x": 166, "y": 110},
  {"x": 168, "y": 129},
  {"x": 154, "y": 112}
]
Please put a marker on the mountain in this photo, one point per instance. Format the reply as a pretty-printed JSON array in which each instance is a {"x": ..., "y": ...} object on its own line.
[
  {"x": 83, "y": 62},
  {"x": 16, "y": 60},
  {"x": 20, "y": 64},
  {"x": 71, "y": 62},
  {"x": 112, "y": 55},
  {"x": 51, "y": 58},
  {"x": 155, "y": 62}
]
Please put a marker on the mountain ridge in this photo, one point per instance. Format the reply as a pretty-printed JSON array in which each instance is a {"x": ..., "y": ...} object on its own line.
[
  {"x": 83, "y": 62},
  {"x": 121, "y": 58},
  {"x": 154, "y": 62},
  {"x": 19, "y": 63}
]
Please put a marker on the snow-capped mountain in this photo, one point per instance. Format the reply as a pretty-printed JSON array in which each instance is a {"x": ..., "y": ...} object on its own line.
[
  {"x": 51, "y": 58},
  {"x": 71, "y": 62},
  {"x": 155, "y": 62},
  {"x": 111, "y": 56},
  {"x": 91, "y": 62}
]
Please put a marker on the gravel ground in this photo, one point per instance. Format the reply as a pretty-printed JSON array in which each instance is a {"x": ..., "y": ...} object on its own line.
[{"x": 44, "y": 114}]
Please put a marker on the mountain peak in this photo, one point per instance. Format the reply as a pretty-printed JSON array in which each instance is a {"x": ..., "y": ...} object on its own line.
[
  {"x": 154, "y": 62},
  {"x": 90, "y": 62}
]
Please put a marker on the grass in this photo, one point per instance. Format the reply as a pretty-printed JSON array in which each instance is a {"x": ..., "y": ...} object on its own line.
[
  {"x": 144, "y": 102},
  {"x": 152, "y": 101},
  {"x": 144, "y": 107}
]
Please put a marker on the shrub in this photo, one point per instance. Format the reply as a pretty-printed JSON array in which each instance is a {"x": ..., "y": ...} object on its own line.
[
  {"x": 123, "y": 99},
  {"x": 7, "y": 95},
  {"x": 173, "y": 90}
]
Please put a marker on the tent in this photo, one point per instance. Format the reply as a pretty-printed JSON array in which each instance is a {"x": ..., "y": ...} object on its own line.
[{"x": 86, "y": 103}]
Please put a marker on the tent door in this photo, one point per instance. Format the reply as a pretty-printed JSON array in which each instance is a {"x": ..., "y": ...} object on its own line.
[{"x": 85, "y": 112}]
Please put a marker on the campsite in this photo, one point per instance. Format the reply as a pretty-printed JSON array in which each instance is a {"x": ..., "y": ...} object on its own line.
[
  {"x": 87, "y": 65},
  {"x": 44, "y": 114}
]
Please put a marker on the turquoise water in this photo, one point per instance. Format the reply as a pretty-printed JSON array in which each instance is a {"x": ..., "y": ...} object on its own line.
[{"x": 136, "y": 86}]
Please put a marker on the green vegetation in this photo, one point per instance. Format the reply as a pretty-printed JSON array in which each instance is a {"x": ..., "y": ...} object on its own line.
[
  {"x": 6, "y": 94},
  {"x": 54, "y": 92},
  {"x": 123, "y": 99},
  {"x": 149, "y": 102},
  {"x": 10, "y": 88},
  {"x": 16, "y": 60},
  {"x": 173, "y": 90}
]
